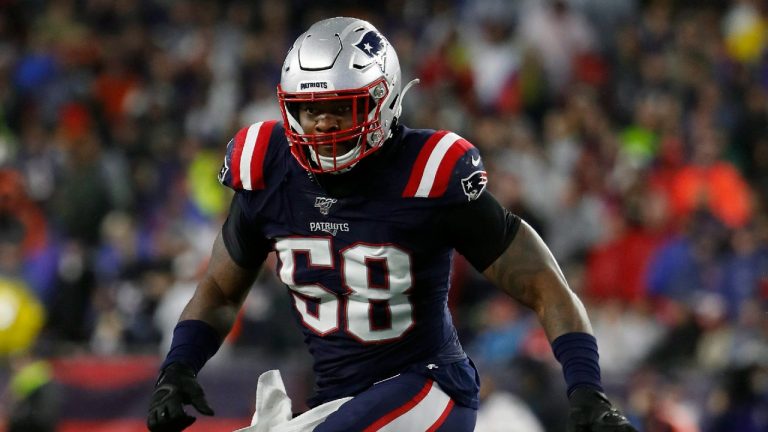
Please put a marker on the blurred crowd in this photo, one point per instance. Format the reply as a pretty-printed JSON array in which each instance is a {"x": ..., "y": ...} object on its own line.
[{"x": 633, "y": 135}]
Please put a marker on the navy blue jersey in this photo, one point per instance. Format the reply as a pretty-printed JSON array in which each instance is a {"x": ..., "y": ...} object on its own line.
[{"x": 367, "y": 270}]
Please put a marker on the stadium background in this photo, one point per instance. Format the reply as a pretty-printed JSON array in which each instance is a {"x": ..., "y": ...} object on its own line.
[{"x": 633, "y": 135}]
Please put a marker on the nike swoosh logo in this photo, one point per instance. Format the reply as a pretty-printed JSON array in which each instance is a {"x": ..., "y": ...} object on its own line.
[{"x": 475, "y": 162}]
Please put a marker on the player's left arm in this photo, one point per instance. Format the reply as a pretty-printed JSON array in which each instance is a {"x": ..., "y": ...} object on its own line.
[
  {"x": 515, "y": 258},
  {"x": 529, "y": 273}
]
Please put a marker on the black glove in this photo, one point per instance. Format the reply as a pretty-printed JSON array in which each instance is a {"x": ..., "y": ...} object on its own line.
[
  {"x": 591, "y": 411},
  {"x": 176, "y": 387}
]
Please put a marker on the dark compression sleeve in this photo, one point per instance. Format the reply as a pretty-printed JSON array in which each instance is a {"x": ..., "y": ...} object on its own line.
[
  {"x": 242, "y": 237},
  {"x": 480, "y": 230}
]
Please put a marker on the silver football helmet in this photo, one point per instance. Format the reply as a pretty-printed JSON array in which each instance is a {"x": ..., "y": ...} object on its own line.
[{"x": 341, "y": 59}]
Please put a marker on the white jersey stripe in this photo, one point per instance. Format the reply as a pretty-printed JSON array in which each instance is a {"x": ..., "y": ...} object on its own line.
[
  {"x": 422, "y": 416},
  {"x": 245, "y": 159},
  {"x": 433, "y": 163}
]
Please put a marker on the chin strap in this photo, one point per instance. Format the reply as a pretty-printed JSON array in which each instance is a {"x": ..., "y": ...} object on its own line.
[
  {"x": 399, "y": 108},
  {"x": 327, "y": 162}
]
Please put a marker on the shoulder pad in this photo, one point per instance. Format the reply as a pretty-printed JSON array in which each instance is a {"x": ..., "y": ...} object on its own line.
[
  {"x": 447, "y": 166},
  {"x": 244, "y": 161}
]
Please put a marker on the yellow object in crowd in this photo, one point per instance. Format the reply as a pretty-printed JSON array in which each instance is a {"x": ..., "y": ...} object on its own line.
[
  {"x": 745, "y": 37},
  {"x": 21, "y": 317}
]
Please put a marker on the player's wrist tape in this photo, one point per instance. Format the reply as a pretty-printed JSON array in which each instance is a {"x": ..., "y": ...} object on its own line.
[
  {"x": 194, "y": 342},
  {"x": 577, "y": 353}
]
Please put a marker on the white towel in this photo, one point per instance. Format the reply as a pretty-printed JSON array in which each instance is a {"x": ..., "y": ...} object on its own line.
[{"x": 273, "y": 408}]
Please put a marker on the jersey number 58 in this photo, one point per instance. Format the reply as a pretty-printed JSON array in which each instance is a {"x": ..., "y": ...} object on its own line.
[{"x": 361, "y": 296}]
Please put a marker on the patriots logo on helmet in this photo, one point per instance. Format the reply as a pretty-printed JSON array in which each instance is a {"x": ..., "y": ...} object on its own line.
[
  {"x": 374, "y": 46},
  {"x": 474, "y": 184}
]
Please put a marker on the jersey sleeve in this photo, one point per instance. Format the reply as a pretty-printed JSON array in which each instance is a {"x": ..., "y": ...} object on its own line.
[
  {"x": 246, "y": 244},
  {"x": 480, "y": 230},
  {"x": 448, "y": 168},
  {"x": 246, "y": 158}
]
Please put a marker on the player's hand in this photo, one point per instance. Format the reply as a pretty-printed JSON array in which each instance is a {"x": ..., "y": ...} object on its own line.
[
  {"x": 176, "y": 387},
  {"x": 591, "y": 411}
]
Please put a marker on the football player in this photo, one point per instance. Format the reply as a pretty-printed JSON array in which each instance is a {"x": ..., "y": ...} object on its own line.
[{"x": 363, "y": 214}]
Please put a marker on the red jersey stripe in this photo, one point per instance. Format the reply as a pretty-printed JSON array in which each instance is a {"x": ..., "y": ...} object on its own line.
[
  {"x": 259, "y": 155},
  {"x": 421, "y": 163},
  {"x": 443, "y": 175},
  {"x": 237, "y": 153}
]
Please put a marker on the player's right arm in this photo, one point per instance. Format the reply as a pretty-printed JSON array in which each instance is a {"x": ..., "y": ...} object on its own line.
[
  {"x": 237, "y": 255},
  {"x": 221, "y": 292}
]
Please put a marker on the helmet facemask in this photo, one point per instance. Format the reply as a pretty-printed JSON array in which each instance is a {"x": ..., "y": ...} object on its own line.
[
  {"x": 343, "y": 59},
  {"x": 339, "y": 149}
]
